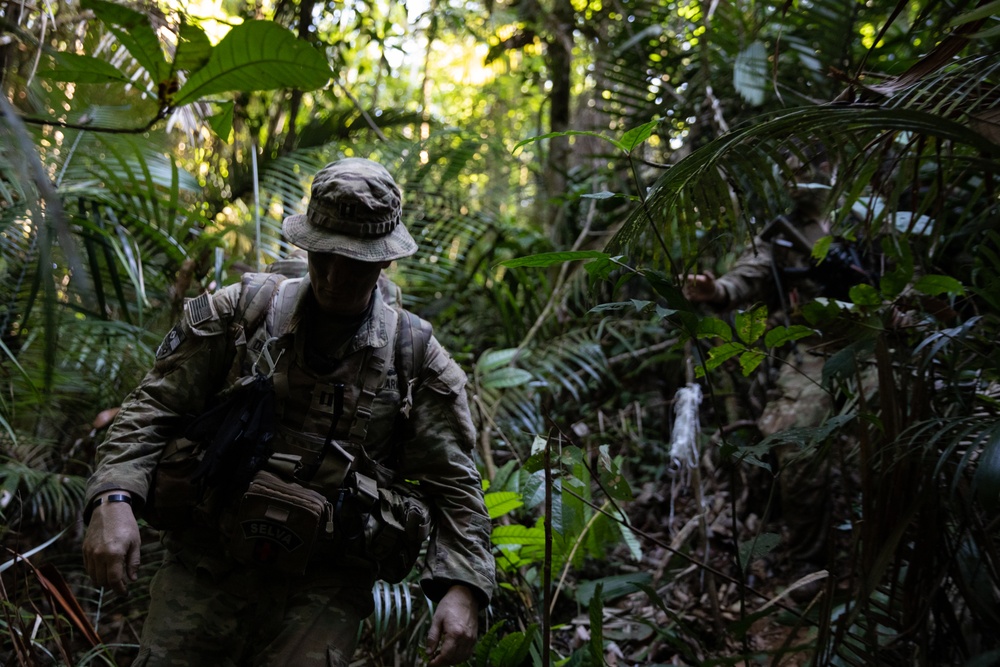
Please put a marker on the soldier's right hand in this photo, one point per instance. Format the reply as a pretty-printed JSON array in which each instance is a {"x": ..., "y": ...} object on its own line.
[
  {"x": 111, "y": 546},
  {"x": 700, "y": 288}
]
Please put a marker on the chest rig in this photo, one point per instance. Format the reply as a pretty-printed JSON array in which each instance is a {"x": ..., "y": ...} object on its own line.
[{"x": 357, "y": 403}]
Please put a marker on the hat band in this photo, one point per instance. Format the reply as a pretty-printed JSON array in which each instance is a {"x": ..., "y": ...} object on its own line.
[{"x": 352, "y": 227}]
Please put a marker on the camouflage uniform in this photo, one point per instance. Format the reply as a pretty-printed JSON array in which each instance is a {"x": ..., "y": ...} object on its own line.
[{"x": 208, "y": 609}]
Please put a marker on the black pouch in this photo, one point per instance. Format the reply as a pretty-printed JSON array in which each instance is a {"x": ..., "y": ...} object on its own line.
[{"x": 399, "y": 523}]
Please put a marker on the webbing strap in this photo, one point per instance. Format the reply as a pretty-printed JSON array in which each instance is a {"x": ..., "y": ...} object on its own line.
[{"x": 373, "y": 376}]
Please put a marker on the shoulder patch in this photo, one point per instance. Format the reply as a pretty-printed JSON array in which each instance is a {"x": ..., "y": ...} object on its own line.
[
  {"x": 170, "y": 343},
  {"x": 199, "y": 309}
]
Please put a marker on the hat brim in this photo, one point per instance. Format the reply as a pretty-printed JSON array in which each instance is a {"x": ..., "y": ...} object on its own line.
[{"x": 397, "y": 244}]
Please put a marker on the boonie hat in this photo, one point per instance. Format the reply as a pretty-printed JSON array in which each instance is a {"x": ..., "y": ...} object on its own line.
[{"x": 355, "y": 210}]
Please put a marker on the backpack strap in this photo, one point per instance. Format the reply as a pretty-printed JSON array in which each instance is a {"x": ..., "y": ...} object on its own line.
[
  {"x": 256, "y": 292},
  {"x": 411, "y": 350},
  {"x": 375, "y": 371}
]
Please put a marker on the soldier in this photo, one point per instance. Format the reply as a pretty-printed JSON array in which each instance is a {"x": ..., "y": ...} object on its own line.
[
  {"x": 779, "y": 271},
  {"x": 280, "y": 572}
]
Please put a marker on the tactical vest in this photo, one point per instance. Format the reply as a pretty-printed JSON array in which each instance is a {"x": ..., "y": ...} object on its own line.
[{"x": 378, "y": 383}]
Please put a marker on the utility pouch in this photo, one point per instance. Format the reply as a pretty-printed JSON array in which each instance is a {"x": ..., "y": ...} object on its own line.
[
  {"x": 278, "y": 524},
  {"x": 399, "y": 523},
  {"x": 173, "y": 493}
]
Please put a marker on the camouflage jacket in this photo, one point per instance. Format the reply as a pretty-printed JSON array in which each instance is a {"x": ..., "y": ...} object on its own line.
[
  {"x": 426, "y": 435},
  {"x": 752, "y": 276}
]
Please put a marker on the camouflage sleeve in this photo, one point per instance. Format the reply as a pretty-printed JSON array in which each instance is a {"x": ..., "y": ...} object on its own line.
[
  {"x": 439, "y": 457},
  {"x": 750, "y": 277},
  {"x": 190, "y": 366}
]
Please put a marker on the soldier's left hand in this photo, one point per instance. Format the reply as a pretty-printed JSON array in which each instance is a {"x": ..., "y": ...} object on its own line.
[{"x": 454, "y": 628}]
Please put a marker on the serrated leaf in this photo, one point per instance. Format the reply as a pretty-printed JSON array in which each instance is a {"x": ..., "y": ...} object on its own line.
[
  {"x": 751, "y": 325},
  {"x": 135, "y": 33},
  {"x": 713, "y": 327},
  {"x": 513, "y": 649},
  {"x": 546, "y": 259},
  {"x": 780, "y": 335},
  {"x": 256, "y": 55},
  {"x": 499, "y": 503},
  {"x": 74, "y": 68},
  {"x": 934, "y": 284},
  {"x": 193, "y": 48},
  {"x": 750, "y": 360},
  {"x": 505, "y": 378},
  {"x": 757, "y": 548},
  {"x": 821, "y": 248},
  {"x": 864, "y": 295},
  {"x": 637, "y": 135},
  {"x": 722, "y": 353}
]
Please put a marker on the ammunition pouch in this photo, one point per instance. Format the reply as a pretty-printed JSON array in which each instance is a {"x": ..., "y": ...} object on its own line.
[
  {"x": 396, "y": 529},
  {"x": 278, "y": 524}
]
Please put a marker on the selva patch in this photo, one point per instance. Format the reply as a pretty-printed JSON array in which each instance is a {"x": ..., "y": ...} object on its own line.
[{"x": 262, "y": 529}]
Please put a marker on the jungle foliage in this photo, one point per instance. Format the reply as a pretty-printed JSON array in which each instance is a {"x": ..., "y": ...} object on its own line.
[{"x": 565, "y": 165}]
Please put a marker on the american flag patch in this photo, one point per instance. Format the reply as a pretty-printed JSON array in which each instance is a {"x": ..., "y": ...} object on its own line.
[{"x": 199, "y": 309}]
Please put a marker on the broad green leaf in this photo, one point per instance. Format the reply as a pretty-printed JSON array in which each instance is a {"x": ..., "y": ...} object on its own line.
[
  {"x": 614, "y": 586},
  {"x": 256, "y": 55},
  {"x": 504, "y": 378},
  {"x": 570, "y": 133},
  {"x": 757, "y": 548},
  {"x": 538, "y": 445},
  {"x": 499, "y": 503},
  {"x": 637, "y": 135},
  {"x": 222, "y": 122},
  {"x": 780, "y": 335},
  {"x": 518, "y": 535},
  {"x": 750, "y": 360},
  {"x": 713, "y": 327},
  {"x": 493, "y": 359},
  {"x": 612, "y": 479},
  {"x": 601, "y": 269},
  {"x": 83, "y": 69},
  {"x": 934, "y": 284},
  {"x": 193, "y": 48},
  {"x": 513, "y": 649},
  {"x": 546, "y": 259},
  {"x": 136, "y": 34},
  {"x": 751, "y": 324},
  {"x": 865, "y": 295},
  {"x": 722, "y": 353}
]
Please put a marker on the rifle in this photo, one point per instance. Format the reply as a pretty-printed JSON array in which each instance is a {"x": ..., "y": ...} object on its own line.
[{"x": 841, "y": 268}]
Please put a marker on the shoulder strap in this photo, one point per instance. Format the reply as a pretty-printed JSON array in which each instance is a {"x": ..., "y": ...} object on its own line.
[
  {"x": 411, "y": 350},
  {"x": 255, "y": 298}
]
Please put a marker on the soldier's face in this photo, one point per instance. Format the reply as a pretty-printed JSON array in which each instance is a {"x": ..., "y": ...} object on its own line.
[{"x": 342, "y": 286}]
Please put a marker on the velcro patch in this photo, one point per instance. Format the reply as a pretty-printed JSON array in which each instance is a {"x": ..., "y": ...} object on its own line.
[
  {"x": 199, "y": 309},
  {"x": 170, "y": 343}
]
